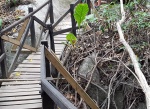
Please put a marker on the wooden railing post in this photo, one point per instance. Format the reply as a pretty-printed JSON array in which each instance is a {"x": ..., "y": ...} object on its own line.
[
  {"x": 3, "y": 62},
  {"x": 72, "y": 19},
  {"x": 52, "y": 46},
  {"x": 45, "y": 43},
  {"x": 47, "y": 102},
  {"x": 89, "y": 5},
  {"x": 51, "y": 14},
  {"x": 32, "y": 29}
]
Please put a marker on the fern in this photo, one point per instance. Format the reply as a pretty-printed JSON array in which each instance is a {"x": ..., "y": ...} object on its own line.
[{"x": 80, "y": 13}]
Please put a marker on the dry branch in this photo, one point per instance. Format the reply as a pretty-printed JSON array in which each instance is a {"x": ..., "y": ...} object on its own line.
[{"x": 142, "y": 80}]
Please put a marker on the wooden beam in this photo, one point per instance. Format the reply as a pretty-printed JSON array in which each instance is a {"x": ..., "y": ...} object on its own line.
[
  {"x": 16, "y": 42},
  {"x": 58, "y": 65},
  {"x": 21, "y": 33}
]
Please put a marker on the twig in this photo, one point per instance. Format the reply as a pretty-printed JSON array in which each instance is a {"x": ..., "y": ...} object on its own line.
[
  {"x": 132, "y": 104},
  {"x": 140, "y": 75},
  {"x": 64, "y": 61},
  {"x": 93, "y": 70},
  {"x": 111, "y": 82}
]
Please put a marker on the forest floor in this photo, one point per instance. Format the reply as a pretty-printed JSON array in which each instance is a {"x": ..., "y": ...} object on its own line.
[{"x": 100, "y": 63}]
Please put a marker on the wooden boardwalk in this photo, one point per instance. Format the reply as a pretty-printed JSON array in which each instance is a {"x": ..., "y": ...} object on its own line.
[{"x": 24, "y": 93}]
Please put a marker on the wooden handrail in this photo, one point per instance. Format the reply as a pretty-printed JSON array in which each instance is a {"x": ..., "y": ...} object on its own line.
[
  {"x": 2, "y": 57},
  {"x": 57, "y": 64},
  {"x": 23, "y": 19}
]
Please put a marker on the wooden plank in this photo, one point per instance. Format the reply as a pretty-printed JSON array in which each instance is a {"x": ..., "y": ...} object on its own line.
[
  {"x": 20, "y": 90},
  {"x": 20, "y": 82},
  {"x": 35, "y": 77},
  {"x": 19, "y": 79},
  {"x": 19, "y": 94},
  {"x": 34, "y": 57},
  {"x": 59, "y": 42},
  {"x": 22, "y": 50},
  {"x": 20, "y": 102},
  {"x": 27, "y": 73},
  {"x": 37, "y": 56},
  {"x": 20, "y": 87},
  {"x": 61, "y": 35},
  {"x": 55, "y": 61},
  {"x": 6, "y": 38},
  {"x": 21, "y": 32},
  {"x": 28, "y": 66},
  {"x": 27, "y": 69},
  {"x": 19, "y": 98},
  {"x": 23, "y": 106},
  {"x": 33, "y": 61}
]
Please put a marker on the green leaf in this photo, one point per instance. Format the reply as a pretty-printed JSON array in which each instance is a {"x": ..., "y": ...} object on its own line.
[
  {"x": 80, "y": 12},
  {"x": 91, "y": 18},
  {"x": 1, "y": 23},
  {"x": 71, "y": 38}
]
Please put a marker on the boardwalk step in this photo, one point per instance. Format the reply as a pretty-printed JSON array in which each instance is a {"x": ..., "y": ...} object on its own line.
[
  {"x": 20, "y": 102},
  {"x": 23, "y": 106}
]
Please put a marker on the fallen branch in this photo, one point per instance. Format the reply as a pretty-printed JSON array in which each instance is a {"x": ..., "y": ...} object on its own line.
[{"x": 142, "y": 80}]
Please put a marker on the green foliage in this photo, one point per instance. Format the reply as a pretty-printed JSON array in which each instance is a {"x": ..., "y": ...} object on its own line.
[
  {"x": 109, "y": 13},
  {"x": 140, "y": 20},
  {"x": 14, "y": 2},
  {"x": 90, "y": 18},
  {"x": 71, "y": 38},
  {"x": 80, "y": 13},
  {"x": 1, "y": 21}
]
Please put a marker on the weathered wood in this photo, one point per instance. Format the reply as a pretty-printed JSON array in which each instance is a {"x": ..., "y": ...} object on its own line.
[
  {"x": 20, "y": 102},
  {"x": 21, "y": 33},
  {"x": 3, "y": 72},
  {"x": 18, "y": 94},
  {"x": 26, "y": 86},
  {"x": 23, "y": 106},
  {"x": 28, "y": 73},
  {"x": 7, "y": 99},
  {"x": 31, "y": 61},
  {"x": 28, "y": 70},
  {"x": 28, "y": 66},
  {"x": 32, "y": 28},
  {"x": 16, "y": 42},
  {"x": 2, "y": 57},
  {"x": 35, "y": 77},
  {"x": 19, "y": 90},
  {"x": 8, "y": 80},
  {"x": 20, "y": 83},
  {"x": 55, "y": 61}
]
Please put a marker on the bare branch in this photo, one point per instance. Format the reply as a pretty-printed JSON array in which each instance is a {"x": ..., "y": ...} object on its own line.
[{"x": 138, "y": 72}]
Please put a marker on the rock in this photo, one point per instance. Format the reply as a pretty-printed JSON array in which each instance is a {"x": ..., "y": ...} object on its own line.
[
  {"x": 97, "y": 94},
  {"x": 142, "y": 106},
  {"x": 119, "y": 97},
  {"x": 86, "y": 68}
]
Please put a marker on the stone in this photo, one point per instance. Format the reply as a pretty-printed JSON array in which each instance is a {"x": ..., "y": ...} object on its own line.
[
  {"x": 86, "y": 68},
  {"x": 119, "y": 97},
  {"x": 142, "y": 106}
]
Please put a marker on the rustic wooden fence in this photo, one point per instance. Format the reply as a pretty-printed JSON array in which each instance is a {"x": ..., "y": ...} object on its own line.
[{"x": 50, "y": 94}]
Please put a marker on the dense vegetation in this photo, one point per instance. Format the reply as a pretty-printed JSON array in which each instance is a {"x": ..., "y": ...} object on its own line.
[{"x": 109, "y": 73}]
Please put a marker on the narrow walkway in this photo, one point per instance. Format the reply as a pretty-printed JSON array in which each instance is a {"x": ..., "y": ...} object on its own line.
[{"x": 24, "y": 94}]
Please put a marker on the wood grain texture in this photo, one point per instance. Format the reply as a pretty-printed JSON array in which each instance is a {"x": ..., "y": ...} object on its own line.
[
  {"x": 16, "y": 42},
  {"x": 21, "y": 33},
  {"x": 55, "y": 61}
]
